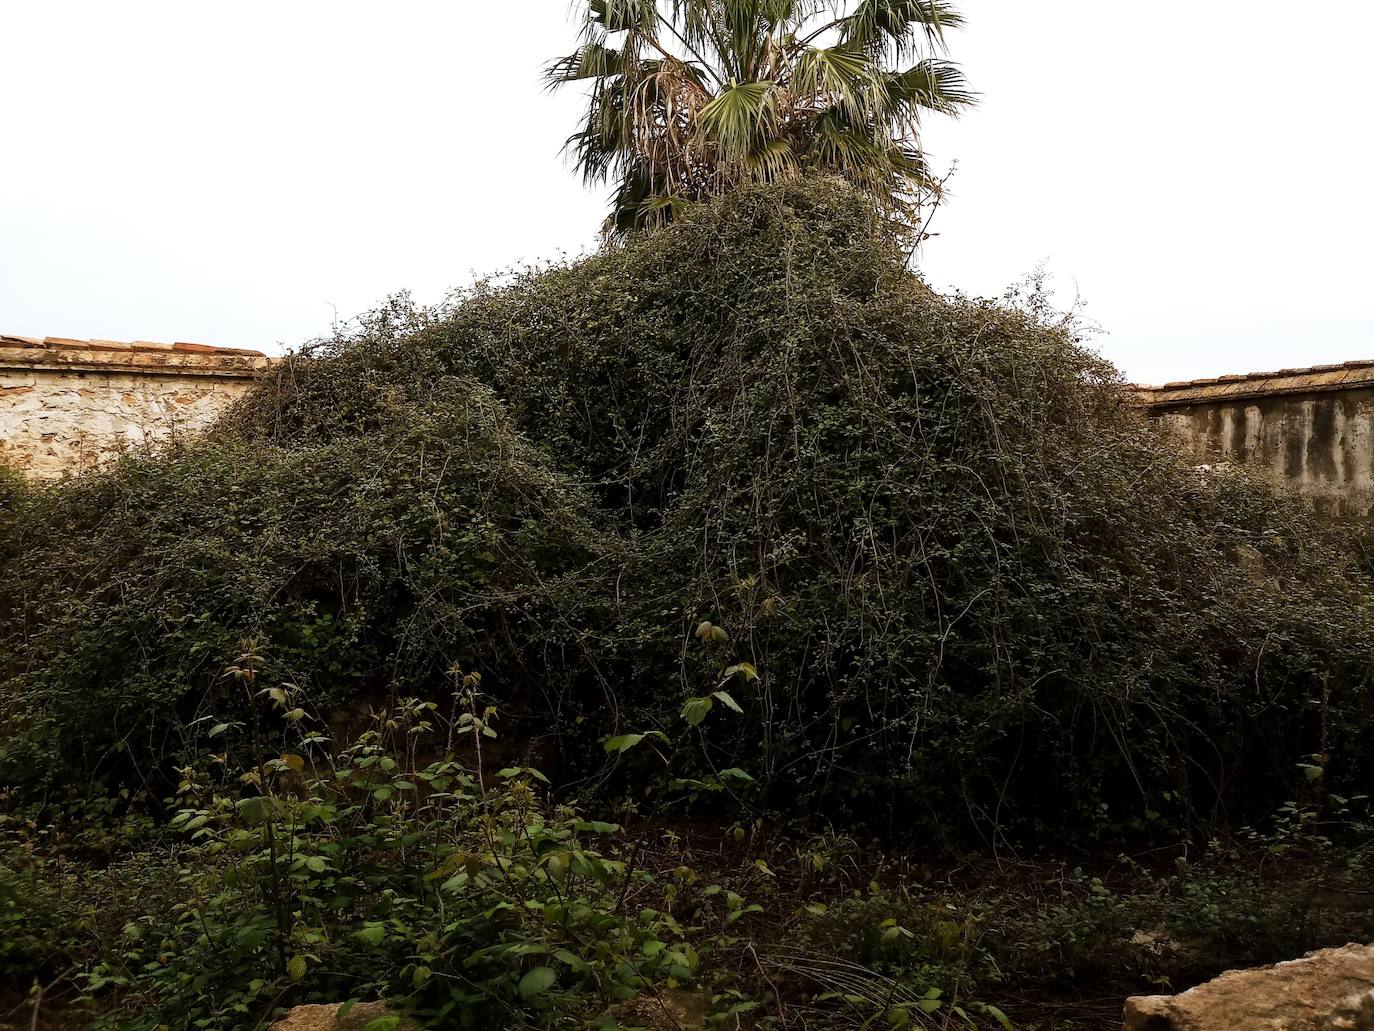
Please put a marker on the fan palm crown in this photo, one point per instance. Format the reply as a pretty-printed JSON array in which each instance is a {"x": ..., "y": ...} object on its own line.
[{"x": 689, "y": 98}]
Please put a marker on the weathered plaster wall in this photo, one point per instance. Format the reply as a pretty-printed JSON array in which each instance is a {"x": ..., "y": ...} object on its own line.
[
  {"x": 66, "y": 405},
  {"x": 1312, "y": 429}
]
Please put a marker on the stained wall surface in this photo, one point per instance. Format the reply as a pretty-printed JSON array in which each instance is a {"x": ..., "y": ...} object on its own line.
[
  {"x": 68, "y": 405},
  {"x": 1312, "y": 429}
]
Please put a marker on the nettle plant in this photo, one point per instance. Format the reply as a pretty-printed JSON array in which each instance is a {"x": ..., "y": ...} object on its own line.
[
  {"x": 407, "y": 866},
  {"x": 400, "y": 867}
]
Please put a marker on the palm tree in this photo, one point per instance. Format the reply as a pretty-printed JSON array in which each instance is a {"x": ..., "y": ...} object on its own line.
[{"x": 690, "y": 98}]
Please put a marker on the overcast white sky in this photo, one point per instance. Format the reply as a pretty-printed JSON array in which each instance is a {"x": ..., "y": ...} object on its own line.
[{"x": 1199, "y": 175}]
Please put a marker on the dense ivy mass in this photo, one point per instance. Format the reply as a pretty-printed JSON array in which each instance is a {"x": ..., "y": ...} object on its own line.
[{"x": 978, "y": 590}]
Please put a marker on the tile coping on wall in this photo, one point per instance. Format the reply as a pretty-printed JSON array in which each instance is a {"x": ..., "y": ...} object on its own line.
[
  {"x": 1314, "y": 380},
  {"x": 61, "y": 354}
]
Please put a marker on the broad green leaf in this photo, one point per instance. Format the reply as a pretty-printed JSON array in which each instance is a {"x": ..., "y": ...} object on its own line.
[
  {"x": 252, "y": 810},
  {"x": 537, "y": 982},
  {"x": 597, "y": 826},
  {"x": 1000, "y": 1017},
  {"x": 724, "y": 696},
  {"x": 572, "y": 959},
  {"x": 695, "y": 710},
  {"x": 372, "y": 934}
]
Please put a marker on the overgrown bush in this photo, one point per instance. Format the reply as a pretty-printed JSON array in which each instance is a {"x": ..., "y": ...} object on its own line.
[
  {"x": 366, "y": 564},
  {"x": 404, "y": 866},
  {"x": 980, "y": 594}
]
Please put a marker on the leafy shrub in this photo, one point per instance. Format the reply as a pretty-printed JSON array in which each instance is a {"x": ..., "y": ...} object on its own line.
[
  {"x": 468, "y": 898},
  {"x": 365, "y": 565},
  {"x": 978, "y": 591}
]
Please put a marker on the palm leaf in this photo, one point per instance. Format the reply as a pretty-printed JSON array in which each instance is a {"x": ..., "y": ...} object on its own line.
[
  {"x": 592, "y": 61},
  {"x": 696, "y": 96},
  {"x": 931, "y": 84},
  {"x": 621, "y": 15},
  {"x": 737, "y": 117},
  {"x": 843, "y": 75},
  {"x": 898, "y": 25},
  {"x": 772, "y": 161}
]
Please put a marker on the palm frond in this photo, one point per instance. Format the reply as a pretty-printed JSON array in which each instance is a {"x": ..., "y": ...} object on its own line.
[
  {"x": 591, "y": 61},
  {"x": 840, "y": 146},
  {"x": 771, "y": 161},
  {"x": 737, "y": 117},
  {"x": 898, "y": 25},
  {"x": 621, "y": 15},
  {"x": 932, "y": 85},
  {"x": 843, "y": 76},
  {"x": 787, "y": 13},
  {"x": 692, "y": 97},
  {"x": 699, "y": 24}
]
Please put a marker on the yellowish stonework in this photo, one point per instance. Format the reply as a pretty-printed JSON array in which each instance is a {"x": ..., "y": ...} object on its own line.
[{"x": 68, "y": 405}]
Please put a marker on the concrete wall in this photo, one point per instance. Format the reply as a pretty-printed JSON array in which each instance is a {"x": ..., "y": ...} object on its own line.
[
  {"x": 1312, "y": 429},
  {"x": 67, "y": 405}
]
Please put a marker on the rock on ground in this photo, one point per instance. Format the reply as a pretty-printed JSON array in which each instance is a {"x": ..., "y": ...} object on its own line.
[
  {"x": 326, "y": 1018},
  {"x": 677, "y": 1009},
  {"x": 1330, "y": 990}
]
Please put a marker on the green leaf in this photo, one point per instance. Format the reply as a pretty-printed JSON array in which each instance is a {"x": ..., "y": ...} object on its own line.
[
  {"x": 724, "y": 696},
  {"x": 1000, "y": 1017},
  {"x": 623, "y": 743},
  {"x": 372, "y": 934},
  {"x": 695, "y": 710},
  {"x": 537, "y": 982},
  {"x": 597, "y": 826},
  {"x": 252, "y": 810},
  {"x": 572, "y": 959}
]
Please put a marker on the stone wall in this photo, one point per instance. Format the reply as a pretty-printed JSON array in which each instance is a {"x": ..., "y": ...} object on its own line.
[
  {"x": 1312, "y": 429},
  {"x": 66, "y": 405}
]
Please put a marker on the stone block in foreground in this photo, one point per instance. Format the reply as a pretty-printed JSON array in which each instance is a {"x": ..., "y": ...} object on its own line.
[
  {"x": 1330, "y": 990},
  {"x": 326, "y": 1018}
]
